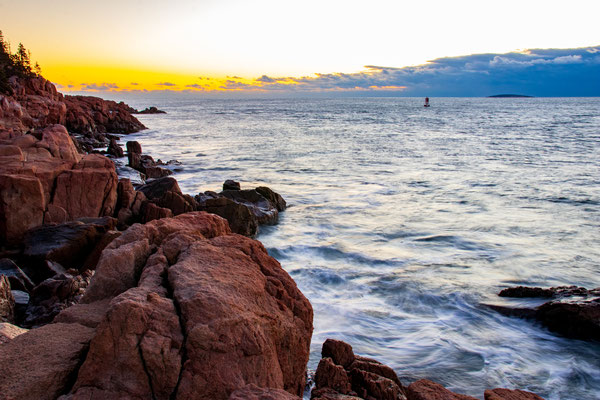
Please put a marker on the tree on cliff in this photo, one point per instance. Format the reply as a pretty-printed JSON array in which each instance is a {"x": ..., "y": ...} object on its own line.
[
  {"x": 5, "y": 63},
  {"x": 15, "y": 64}
]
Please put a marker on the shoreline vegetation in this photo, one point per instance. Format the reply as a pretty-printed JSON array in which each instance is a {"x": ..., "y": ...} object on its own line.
[{"x": 113, "y": 291}]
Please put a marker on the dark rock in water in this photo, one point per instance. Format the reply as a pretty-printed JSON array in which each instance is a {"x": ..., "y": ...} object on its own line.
[
  {"x": 134, "y": 160},
  {"x": 342, "y": 375},
  {"x": 54, "y": 295},
  {"x": 150, "y": 110},
  {"x": 240, "y": 218},
  {"x": 165, "y": 193},
  {"x": 507, "y": 394},
  {"x": 17, "y": 278},
  {"x": 21, "y": 304},
  {"x": 231, "y": 185},
  {"x": 153, "y": 171},
  {"x": 134, "y": 147},
  {"x": 42, "y": 363},
  {"x": 146, "y": 165},
  {"x": 425, "y": 389},
  {"x": 573, "y": 311},
  {"x": 7, "y": 301},
  {"x": 150, "y": 212},
  {"x": 274, "y": 198},
  {"x": 259, "y": 206},
  {"x": 114, "y": 149},
  {"x": 68, "y": 244}
]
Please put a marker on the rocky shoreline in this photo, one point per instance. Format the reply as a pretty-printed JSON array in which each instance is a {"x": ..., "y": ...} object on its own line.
[{"x": 113, "y": 291}]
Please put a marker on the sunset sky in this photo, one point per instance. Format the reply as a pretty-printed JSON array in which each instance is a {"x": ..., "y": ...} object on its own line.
[{"x": 208, "y": 45}]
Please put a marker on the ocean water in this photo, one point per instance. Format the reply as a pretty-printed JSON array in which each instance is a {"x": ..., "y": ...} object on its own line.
[{"x": 405, "y": 221}]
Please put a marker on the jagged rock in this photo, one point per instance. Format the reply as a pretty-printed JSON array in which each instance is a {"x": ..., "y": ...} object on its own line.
[
  {"x": 134, "y": 147},
  {"x": 54, "y": 295},
  {"x": 9, "y": 332},
  {"x": 211, "y": 305},
  {"x": 21, "y": 303},
  {"x": 140, "y": 339},
  {"x": 340, "y": 352},
  {"x": 240, "y": 218},
  {"x": 506, "y": 394},
  {"x": 231, "y": 185},
  {"x": 573, "y": 311},
  {"x": 150, "y": 212},
  {"x": 342, "y": 375},
  {"x": 425, "y": 389},
  {"x": 165, "y": 193},
  {"x": 86, "y": 114},
  {"x": 41, "y": 363},
  {"x": 88, "y": 190},
  {"x": 114, "y": 149},
  {"x": 253, "y": 392},
  {"x": 158, "y": 188},
  {"x": 89, "y": 315},
  {"x": 332, "y": 376},
  {"x": 17, "y": 278},
  {"x": 68, "y": 244},
  {"x": 7, "y": 301}
]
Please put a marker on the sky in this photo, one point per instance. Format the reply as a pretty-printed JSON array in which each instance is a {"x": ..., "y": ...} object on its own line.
[{"x": 324, "y": 46}]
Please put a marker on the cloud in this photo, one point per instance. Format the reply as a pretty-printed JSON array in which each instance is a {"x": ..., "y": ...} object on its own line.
[
  {"x": 166, "y": 84},
  {"x": 195, "y": 86},
  {"x": 134, "y": 83},
  {"x": 266, "y": 79}
]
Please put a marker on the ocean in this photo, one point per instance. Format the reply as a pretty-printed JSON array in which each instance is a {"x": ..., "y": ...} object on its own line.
[{"x": 404, "y": 221}]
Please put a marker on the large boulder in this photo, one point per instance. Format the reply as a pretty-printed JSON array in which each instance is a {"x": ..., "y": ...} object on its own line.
[
  {"x": 196, "y": 313},
  {"x": 88, "y": 190},
  {"x": 165, "y": 193},
  {"x": 259, "y": 206}
]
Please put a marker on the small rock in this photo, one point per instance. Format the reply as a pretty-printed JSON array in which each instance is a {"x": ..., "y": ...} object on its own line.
[
  {"x": 114, "y": 149},
  {"x": 340, "y": 352},
  {"x": 506, "y": 394},
  {"x": 231, "y": 185},
  {"x": 7, "y": 301},
  {"x": 425, "y": 389},
  {"x": 134, "y": 147}
]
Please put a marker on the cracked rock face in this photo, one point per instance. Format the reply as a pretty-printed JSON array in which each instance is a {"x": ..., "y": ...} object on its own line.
[{"x": 195, "y": 312}]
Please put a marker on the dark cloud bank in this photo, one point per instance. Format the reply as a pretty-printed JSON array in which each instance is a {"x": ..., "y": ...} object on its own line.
[{"x": 538, "y": 72}]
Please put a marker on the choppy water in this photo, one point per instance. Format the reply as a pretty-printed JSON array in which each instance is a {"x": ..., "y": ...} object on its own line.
[{"x": 404, "y": 220}]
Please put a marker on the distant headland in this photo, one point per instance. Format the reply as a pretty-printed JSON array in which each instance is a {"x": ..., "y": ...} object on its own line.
[{"x": 510, "y": 95}]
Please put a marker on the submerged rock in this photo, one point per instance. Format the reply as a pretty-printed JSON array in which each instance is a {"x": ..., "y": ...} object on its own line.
[
  {"x": 573, "y": 311},
  {"x": 150, "y": 110}
]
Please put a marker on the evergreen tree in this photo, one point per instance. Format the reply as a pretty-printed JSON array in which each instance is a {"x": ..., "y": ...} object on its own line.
[{"x": 37, "y": 69}]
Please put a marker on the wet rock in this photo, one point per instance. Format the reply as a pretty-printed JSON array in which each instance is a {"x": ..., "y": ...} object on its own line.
[
  {"x": 165, "y": 193},
  {"x": 425, "y": 389},
  {"x": 41, "y": 363},
  {"x": 158, "y": 188},
  {"x": 54, "y": 295},
  {"x": 17, "y": 278},
  {"x": 89, "y": 115},
  {"x": 240, "y": 218},
  {"x": 9, "y": 332},
  {"x": 274, "y": 198},
  {"x": 573, "y": 311},
  {"x": 340, "y": 373},
  {"x": 150, "y": 212},
  {"x": 68, "y": 244},
  {"x": 506, "y": 394},
  {"x": 21, "y": 303},
  {"x": 7, "y": 301},
  {"x": 134, "y": 160},
  {"x": 231, "y": 185},
  {"x": 259, "y": 206},
  {"x": 134, "y": 147},
  {"x": 114, "y": 149},
  {"x": 150, "y": 110},
  {"x": 253, "y": 392}
]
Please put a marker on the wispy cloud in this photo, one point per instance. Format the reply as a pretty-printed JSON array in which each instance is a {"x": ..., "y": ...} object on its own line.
[{"x": 166, "y": 84}]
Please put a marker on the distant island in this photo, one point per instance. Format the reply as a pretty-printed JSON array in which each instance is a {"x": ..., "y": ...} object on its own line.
[{"x": 509, "y": 95}]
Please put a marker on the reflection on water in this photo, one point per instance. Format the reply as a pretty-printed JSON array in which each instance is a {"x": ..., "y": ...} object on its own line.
[{"x": 404, "y": 220}]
